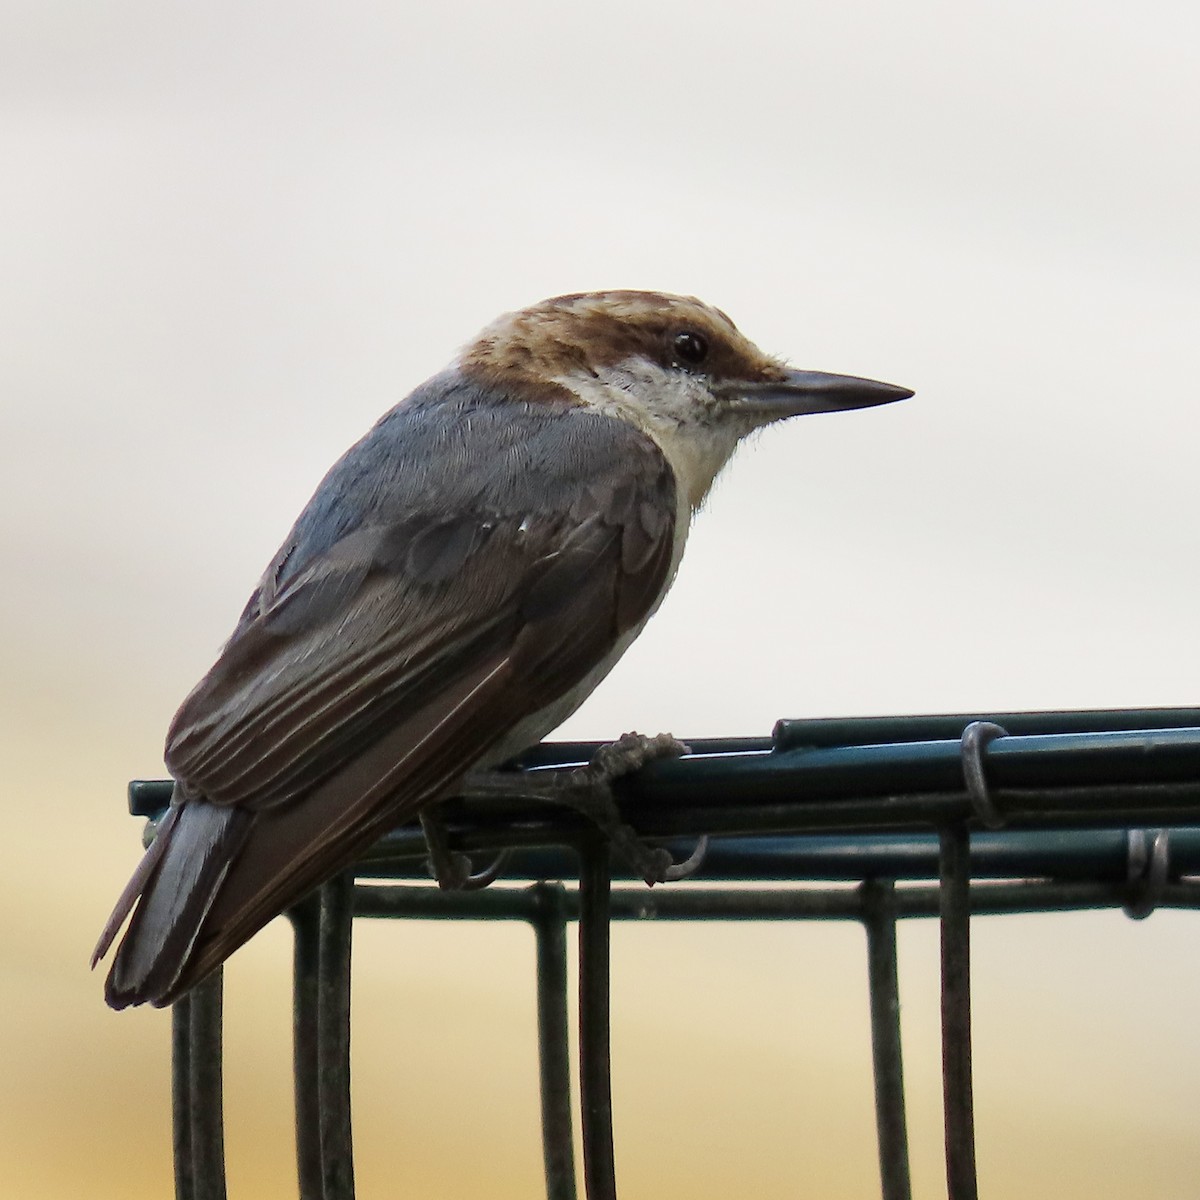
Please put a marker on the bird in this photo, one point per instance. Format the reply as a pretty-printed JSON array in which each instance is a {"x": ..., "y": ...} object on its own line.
[{"x": 460, "y": 581}]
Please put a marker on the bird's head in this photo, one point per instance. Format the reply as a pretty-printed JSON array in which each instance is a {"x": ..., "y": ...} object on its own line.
[{"x": 677, "y": 368}]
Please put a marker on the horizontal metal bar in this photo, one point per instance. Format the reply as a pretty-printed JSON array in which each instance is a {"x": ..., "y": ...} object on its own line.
[
  {"x": 861, "y": 731},
  {"x": 1101, "y": 854},
  {"x": 673, "y": 812},
  {"x": 691, "y": 902},
  {"x": 1042, "y": 772}
]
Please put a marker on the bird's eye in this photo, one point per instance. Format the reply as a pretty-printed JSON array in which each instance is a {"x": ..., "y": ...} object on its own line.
[{"x": 691, "y": 347}]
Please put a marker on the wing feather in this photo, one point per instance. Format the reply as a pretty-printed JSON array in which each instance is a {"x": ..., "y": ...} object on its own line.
[{"x": 459, "y": 571}]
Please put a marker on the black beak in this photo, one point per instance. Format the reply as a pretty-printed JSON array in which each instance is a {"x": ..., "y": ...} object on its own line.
[{"x": 800, "y": 392}]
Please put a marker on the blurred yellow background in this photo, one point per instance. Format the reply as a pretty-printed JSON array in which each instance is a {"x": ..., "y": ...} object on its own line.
[{"x": 233, "y": 234}]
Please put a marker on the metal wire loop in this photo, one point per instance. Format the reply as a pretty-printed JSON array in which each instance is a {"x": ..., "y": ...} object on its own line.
[
  {"x": 975, "y": 739},
  {"x": 1147, "y": 872}
]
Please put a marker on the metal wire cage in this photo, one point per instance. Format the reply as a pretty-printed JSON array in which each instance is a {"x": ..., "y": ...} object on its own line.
[{"x": 943, "y": 816}]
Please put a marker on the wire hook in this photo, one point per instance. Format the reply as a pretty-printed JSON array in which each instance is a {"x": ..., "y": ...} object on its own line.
[
  {"x": 975, "y": 740},
  {"x": 1147, "y": 872}
]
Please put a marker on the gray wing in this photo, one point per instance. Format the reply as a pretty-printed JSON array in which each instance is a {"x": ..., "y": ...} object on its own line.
[
  {"x": 457, "y": 531},
  {"x": 457, "y": 571}
]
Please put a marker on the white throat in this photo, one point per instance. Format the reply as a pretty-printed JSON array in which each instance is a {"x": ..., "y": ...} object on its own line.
[{"x": 674, "y": 408}]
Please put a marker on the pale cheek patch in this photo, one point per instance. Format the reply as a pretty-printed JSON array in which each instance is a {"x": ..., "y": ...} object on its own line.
[{"x": 673, "y": 408}]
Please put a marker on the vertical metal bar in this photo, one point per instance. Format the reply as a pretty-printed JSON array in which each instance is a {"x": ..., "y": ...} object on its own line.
[
  {"x": 181, "y": 1096},
  {"x": 554, "y": 1047},
  {"x": 333, "y": 1037},
  {"x": 595, "y": 1083},
  {"x": 306, "y": 962},
  {"x": 208, "y": 1122},
  {"x": 955, "y": 903},
  {"x": 879, "y": 920}
]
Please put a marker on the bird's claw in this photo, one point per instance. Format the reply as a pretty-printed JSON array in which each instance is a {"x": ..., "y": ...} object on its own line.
[
  {"x": 654, "y": 863},
  {"x": 453, "y": 870},
  {"x": 477, "y": 880},
  {"x": 690, "y": 865}
]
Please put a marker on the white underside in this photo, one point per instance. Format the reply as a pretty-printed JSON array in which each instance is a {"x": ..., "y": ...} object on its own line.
[{"x": 534, "y": 728}]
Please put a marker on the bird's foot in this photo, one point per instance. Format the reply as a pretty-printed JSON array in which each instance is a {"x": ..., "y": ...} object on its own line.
[
  {"x": 589, "y": 790},
  {"x": 629, "y": 753},
  {"x": 454, "y": 871},
  {"x": 591, "y": 793}
]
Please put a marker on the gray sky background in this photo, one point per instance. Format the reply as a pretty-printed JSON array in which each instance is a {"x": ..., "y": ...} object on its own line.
[{"x": 233, "y": 234}]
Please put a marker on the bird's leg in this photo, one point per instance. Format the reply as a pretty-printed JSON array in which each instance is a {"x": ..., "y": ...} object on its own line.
[{"x": 589, "y": 790}]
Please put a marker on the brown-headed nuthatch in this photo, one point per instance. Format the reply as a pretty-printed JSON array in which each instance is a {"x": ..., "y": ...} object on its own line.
[{"x": 461, "y": 580}]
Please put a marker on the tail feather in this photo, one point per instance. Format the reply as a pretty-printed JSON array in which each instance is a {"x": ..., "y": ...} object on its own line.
[
  {"x": 136, "y": 885},
  {"x": 176, "y": 887},
  {"x": 224, "y": 870}
]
